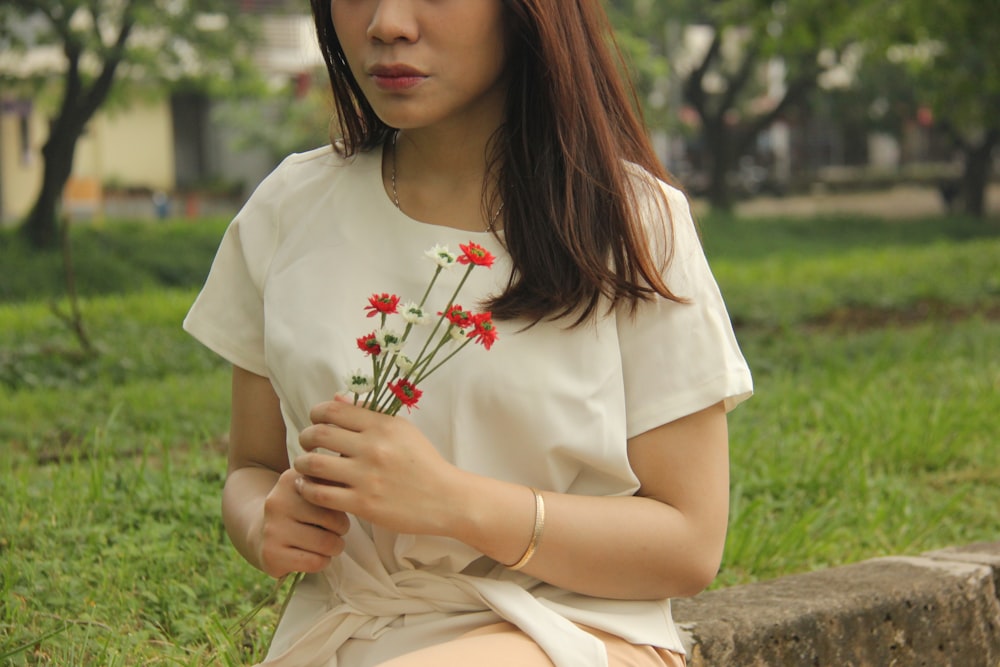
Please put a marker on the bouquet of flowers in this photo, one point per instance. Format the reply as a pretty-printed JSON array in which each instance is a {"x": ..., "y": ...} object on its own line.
[{"x": 392, "y": 383}]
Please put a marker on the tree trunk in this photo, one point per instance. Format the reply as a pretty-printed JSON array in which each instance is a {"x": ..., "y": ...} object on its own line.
[
  {"x": 718, "y": 141},
  {"x": 78, "y": 105},
  {"x": 976, "y": 174},
  {"x": 42, "y": 225}
]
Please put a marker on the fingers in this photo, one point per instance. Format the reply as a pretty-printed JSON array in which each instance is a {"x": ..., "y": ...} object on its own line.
[
  {"x": 323, "y": 469},
  {"x": 345, "y": 414},
  {"x": 293, "y": 507},
  {"x": 324, "y": 413},
  {"x": 298, "y": 536},
  {"x": 277, "y": 562},
  {"x": 322, "y": 494},
  {"x": 329, "y": 437},
  {"x": 319, "y": 541},
  {"x": 307, "y": 549},
  {"x": 332, "y": 521}
]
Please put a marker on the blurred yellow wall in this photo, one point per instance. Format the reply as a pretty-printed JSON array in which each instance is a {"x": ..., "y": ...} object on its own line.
[
  {"x": 20, "y": 165},
  {"x": 130, "y": 147},
  {"x": 125, "y": 147}
]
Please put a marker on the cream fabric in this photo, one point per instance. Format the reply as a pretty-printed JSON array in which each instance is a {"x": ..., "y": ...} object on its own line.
[
  {"x": 503, "y": 645},
  {"x": 549, "y": 406}
]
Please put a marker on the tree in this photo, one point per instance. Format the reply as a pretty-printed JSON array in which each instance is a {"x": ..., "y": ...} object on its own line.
[
  {"x": 763, "y": 58},
  {"x": 288, "y": 120},
  {"x": 109, "y": 48},
  {"x": 950, "y": 50},
  {"x": 724, "y": 78},
  {"x": 641, "y": 32}
]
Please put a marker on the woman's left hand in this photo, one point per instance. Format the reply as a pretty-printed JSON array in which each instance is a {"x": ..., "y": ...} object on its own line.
[{"x": 387, "y": 473}]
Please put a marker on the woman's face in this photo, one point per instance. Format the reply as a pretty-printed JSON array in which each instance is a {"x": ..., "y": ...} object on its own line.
[{"x": 424, "y": 63}]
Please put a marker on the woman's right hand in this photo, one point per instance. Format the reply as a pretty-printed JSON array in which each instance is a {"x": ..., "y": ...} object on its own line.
[
  {"x": 294, "y": 534},
  {"x": 272, "y": 526}
]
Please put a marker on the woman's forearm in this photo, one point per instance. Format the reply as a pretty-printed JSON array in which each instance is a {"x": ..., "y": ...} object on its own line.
[
  {"x": 666, "y": 541},
  {"x": 619, "y": 547},
  {"x": 243, "y": 508}
]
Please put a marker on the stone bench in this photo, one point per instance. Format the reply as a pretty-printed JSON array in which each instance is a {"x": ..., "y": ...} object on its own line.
[{"x": 938, "y": 609}]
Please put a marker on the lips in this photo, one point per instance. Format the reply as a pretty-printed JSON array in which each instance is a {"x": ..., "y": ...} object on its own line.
[{"x": 396, "y": 77}]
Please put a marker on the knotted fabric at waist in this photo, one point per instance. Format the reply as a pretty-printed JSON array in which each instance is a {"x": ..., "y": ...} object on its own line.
[{"x": 364, "y": 605}]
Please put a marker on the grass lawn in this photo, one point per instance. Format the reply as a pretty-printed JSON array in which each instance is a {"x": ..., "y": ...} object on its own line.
[{"x": 873, "y": 431}]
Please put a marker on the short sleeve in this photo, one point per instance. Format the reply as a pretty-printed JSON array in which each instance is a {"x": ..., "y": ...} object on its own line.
[
  {"x": 679, "y": 358},
  {"x": 228, "y": 315}
]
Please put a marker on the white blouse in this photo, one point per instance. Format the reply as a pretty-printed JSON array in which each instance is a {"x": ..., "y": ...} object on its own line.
[{"x": 548, "y": 406}]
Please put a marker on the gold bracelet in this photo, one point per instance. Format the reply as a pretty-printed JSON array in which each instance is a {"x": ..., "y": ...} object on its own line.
[{"x": 536, "y": 534}]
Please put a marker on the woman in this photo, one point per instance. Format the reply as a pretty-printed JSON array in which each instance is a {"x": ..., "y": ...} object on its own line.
[{"x": 549, "y": 496}]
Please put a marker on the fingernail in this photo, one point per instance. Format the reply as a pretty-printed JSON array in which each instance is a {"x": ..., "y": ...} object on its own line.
[{"x": 298, "y": 484}]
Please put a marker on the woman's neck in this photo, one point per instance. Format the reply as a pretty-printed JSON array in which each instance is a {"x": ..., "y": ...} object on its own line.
[{"x": 438, "y": 177}]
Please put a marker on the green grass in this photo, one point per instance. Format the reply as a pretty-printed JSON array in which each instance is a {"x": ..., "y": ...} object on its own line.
[
  {"x": 112, "y": 259},
  {"x": 873, "y": 347},
  {"x": 111, "y": 472},
  {"x": 859, "y": 444},
  {"x": 874, "y": 350}
]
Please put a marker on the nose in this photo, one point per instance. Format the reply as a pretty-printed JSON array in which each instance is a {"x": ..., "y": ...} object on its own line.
[{"x": 393, "y": 21}]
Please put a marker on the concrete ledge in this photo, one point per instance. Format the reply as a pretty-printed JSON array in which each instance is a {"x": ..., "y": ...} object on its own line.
[{"x": 939, "y": 609}]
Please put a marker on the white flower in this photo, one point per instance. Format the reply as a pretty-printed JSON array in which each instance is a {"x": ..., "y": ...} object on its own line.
[
  {"x": 414, "y": 314},
  {"x": 404, "y": 363},
  {"x": 359, "y": 383},
  {"x": 457, "y": 334},
  {"x": 390, "y": 341},
  {"x": 441, "y": 256}
]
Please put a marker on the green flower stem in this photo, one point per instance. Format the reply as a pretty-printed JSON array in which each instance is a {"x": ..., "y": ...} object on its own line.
[
  {"x": 461, "y": 284},
  {"x": 394, "y": 407},
  {"x": 296, "y": 578},
  {"x": 425, "y": 361},
  {"x": 427, "y": 292},
  {"x": 383, "y": 381},
  {"x": 387, "y": 395},
  {"x": 383, "y": 389},
  {"x": 451, "y": 302},
  {"x": 378, "y": 390},
  {"x": 370, "y": 401},
  {"x": 244, "y": 620},
  {"x": 423, "y": 376}
]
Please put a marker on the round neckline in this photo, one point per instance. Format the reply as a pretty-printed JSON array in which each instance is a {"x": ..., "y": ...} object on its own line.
[{"x": 385, "y": 202}]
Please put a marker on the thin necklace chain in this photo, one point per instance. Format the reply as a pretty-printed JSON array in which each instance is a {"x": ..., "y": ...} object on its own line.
[{"x": 490, "y": 226}]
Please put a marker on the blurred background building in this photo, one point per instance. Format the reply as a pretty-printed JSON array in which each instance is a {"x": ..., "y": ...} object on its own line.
[
  {"x": 179, "y": 145},
  {"x": 736, "y": 110}
]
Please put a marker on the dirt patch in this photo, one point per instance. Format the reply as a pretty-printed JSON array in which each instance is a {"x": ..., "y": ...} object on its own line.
[{"x": 864, "y": 317}]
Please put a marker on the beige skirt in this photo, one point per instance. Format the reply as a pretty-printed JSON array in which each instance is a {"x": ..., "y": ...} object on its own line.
[{"x": 502, "y": 645}]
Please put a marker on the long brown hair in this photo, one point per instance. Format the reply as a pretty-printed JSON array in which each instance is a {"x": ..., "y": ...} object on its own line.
[{"x": 561, "y": 160}]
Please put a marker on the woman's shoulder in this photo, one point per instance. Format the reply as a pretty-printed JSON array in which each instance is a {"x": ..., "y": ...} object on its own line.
[
  {"x": 307, "y": 175},
  {"x": 641, "y": 178},
  {"x": 318, "y": 161},
  {"x": 658, "y": 201}
]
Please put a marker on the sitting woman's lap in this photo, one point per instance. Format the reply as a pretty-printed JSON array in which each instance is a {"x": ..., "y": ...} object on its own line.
[{"x": 503, "y": 645}]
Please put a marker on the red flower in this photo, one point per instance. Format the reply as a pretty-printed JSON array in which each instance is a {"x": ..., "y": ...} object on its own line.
[
  {"x": 406, "y": 392},
  {"x": 383, "y": 303},
  {"x": 475, "y": 254},
  {"x": 370, "y": 345},
  {"x": 460, "y": 318},
  {"x": 485, "y": 332}
]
